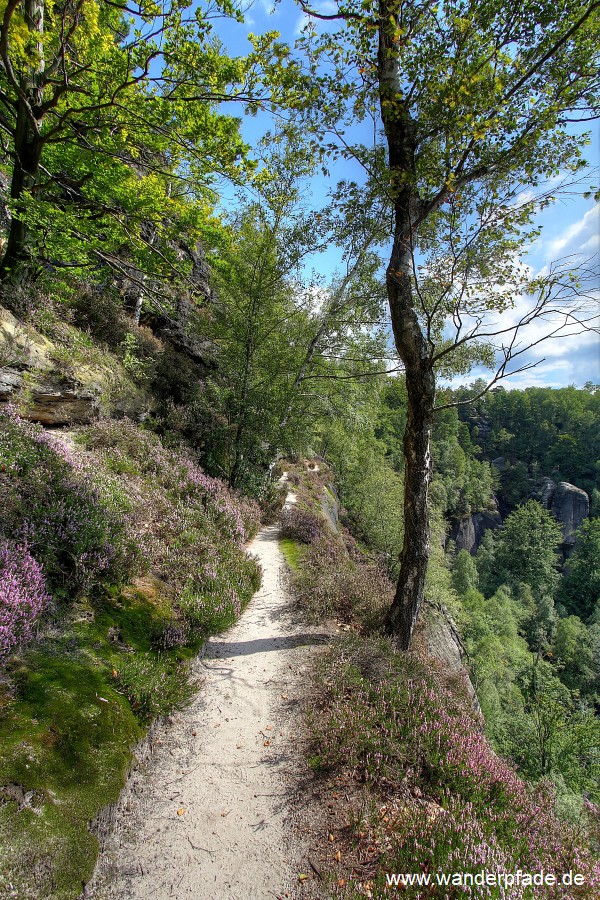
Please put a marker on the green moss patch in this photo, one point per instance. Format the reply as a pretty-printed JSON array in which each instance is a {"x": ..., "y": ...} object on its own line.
[
  {"x": 66, "y": 742},
  {"x": 78, "y": 704},
  {"x": 292, "y": 551}
]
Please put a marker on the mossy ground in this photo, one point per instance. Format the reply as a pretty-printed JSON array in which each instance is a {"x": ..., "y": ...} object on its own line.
[
  {"x": 66, "y": 734},
  {"x": 292, "y": 552}
]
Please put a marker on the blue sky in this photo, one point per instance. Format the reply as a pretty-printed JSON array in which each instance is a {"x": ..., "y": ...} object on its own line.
[{"x": 568, "y": 228}]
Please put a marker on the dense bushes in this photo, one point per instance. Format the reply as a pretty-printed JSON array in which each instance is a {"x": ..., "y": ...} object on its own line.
[
  {"x": 437, "y": 797},
  {"x": 393, "y": 722},
  {"x": 74, "y": 525}
]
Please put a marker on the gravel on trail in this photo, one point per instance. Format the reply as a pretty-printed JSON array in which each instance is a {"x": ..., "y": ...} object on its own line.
[{"x": 210, "y": 815}]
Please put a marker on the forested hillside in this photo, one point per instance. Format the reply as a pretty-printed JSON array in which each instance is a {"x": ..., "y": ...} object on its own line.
[{"x": 195, "y": 285}]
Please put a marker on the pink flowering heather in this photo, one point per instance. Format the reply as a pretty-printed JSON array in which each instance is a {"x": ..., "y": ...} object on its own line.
[
  {"x": 301, "y": 525},
  {"x": 71, "y": 522},
  {"x": 191, "y": 528},
  {"x": 23, "y": 596},
  {"x": 405, "y": 731}
]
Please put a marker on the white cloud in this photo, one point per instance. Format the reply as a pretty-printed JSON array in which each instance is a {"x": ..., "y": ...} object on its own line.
[
  {"x": 573, "y": 355},
  {"x": 582, "y": 237},
  {"x": 268, "y": 7}
]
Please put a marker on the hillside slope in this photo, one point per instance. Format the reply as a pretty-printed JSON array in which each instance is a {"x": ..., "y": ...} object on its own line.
[{"x": 118, "y": 557}]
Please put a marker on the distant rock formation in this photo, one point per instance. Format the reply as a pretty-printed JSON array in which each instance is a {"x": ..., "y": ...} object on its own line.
[
  {"x": 468, "y": 531},
  {"x": 568, "y": 504}
]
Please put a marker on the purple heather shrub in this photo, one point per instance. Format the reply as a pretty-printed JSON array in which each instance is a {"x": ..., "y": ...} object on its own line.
[
  {"x": 191, "y": 528},
  {"x": 174, "y": 634},
  {"x": 23, "y": 596},
  {"x": 331, "y": 581},
  {"x": 72, "y": 524},
  {"x": 405, "y": 731},
  {"x": 181, "y": 479},
  {"x": 301, "y": 525},
  {"x": 128, "y": 503}
]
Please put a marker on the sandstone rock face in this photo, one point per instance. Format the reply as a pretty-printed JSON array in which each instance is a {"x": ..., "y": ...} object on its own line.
[
  {"x": 468, "y": 532},
  {"x": 178, "y": 329},
  {"x": 443, "y": 642},
  {"x": 30, "y": 378},
  {"x": 330, "y": 505},
  {"x": 568, "y": 504},
  {"x": 544, "y": 492},
  {"x": 49, "y": 402}
]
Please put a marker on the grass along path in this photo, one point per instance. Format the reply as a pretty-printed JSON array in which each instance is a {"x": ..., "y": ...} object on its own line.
[{"x": 210, "y": 816}]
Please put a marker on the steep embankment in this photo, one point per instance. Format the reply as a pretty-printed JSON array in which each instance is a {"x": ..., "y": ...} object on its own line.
[
  {"x": 118, "y": 558},
  {"x": 210, "y": 815}
]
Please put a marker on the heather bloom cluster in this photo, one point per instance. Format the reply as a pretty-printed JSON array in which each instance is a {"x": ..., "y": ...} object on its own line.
[
  {"x": 50, "y": 501},
  {"x": 130, "y": 450},
  {"x": 190, "y": 527},
  {"x": 301, "y": 525},
  {"x": 448, "y": 838},
  {"x": 23, "y": 596},
  {"x": 407, "y": 733},
  {"x": 336, "y": 579},
  {"x": 128, "y": 504}
]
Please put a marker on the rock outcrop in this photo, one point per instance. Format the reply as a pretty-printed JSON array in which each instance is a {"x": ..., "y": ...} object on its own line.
[
  {"x": 46, "y": 393},
  {"x": 569, "y": 504},
  {"x": 49, "y": 401},
  {"x": 179, "y": 328},
  {"x": 330, "y": 504},
  {"x": 468, "y": 531},
  {"x": 442, "y": 641}
]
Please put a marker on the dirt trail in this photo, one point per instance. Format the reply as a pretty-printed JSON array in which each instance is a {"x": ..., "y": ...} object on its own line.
[{"x": 210, "y": 815}]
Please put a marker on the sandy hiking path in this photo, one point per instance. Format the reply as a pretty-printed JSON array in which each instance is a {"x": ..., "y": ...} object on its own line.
[{"x": 209, "y": 815}]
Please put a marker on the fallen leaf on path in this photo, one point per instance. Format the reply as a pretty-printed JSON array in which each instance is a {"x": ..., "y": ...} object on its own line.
[
  {"x": 338, "y": 855},
  {"x": 267, "y": 744},
  {"x": 303, "y": 877},
  {"x": 331, "y": 839},
  {"x": 269, "y": 728},
  {"x": 180, "y": 812}
]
